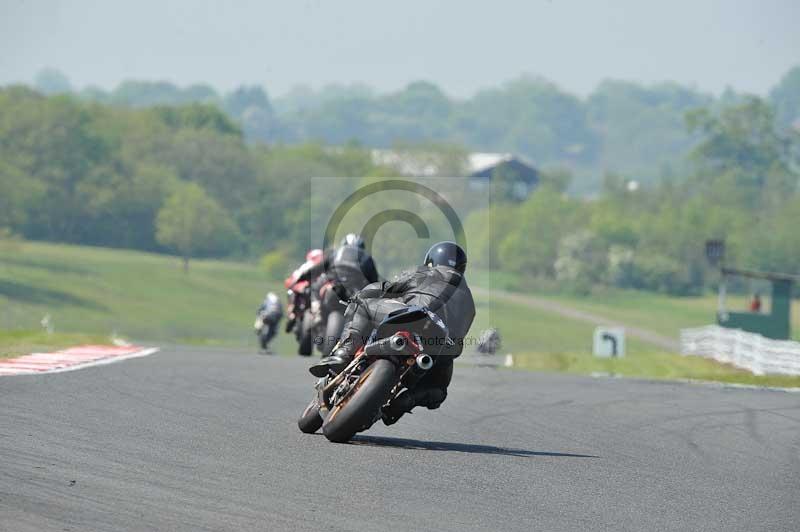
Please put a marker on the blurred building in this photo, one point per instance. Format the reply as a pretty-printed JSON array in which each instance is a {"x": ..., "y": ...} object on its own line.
[{"x": 516, "y": 173}]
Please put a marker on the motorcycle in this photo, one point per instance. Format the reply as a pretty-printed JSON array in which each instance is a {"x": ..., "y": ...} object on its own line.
[
  {"x": 298, "y": 302},
  {"x": 264, "y": 330},
  {"x": 394, "y": 359},
  {"x": 324, "y": 317}
]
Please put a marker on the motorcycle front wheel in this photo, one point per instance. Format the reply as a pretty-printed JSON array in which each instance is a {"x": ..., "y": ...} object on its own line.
[
  {"x": 310, "y": 421},
  {"x": 358, "y": 409}
]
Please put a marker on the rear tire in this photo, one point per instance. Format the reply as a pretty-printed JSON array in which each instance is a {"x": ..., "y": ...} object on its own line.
[
  {"x": 358, "y": 410},
  {"x": 310, "y": 421},
  {"x": 305, "y": 339},
  {"x": 333, "y": 330}
]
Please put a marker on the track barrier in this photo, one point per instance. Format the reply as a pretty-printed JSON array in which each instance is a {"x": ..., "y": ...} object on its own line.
[{"x": 745, "y": 350}]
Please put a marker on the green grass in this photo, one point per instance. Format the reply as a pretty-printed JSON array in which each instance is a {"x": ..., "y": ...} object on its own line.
[
  {"x": 92, "y": 293},
  {"x": 546, "y": 342},
  {"x": 651, "y": 365},
  {"x": 15, "y": 343},
  {"x": 141, "y": 296},
  {"x": 658, "y": 312}
]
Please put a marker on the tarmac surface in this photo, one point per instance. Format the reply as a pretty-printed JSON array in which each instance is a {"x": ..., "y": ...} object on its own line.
[{"x": 205, "y": 439}]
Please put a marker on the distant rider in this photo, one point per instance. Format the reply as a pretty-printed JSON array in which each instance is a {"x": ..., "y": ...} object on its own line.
[
  {"x": 438, "y": 285},
  {"x": 349, "y": 266},
  {"x": 270, "y": 313},
  {"x": 298, "y": 293}
]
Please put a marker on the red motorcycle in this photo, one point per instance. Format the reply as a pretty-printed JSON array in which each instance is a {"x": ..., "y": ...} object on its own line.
[{"x": 299, "y": 302}]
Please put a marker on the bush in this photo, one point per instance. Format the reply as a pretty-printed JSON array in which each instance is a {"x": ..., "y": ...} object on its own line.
[
  {"x": 660, "y": 273},
  {"x": 276, "y": 264}
]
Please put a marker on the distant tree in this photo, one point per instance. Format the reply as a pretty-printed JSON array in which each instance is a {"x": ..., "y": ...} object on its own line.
[
  {"x": 17, "y": 195},
  {"x": 52, "y": 143},
  {"x": 742, "y": 136},
  {"x": 52, "y": 81},
  {"x": 785, "y": 97},
  {"x": 743, "y": 154},
  {"x": 252, "y": 109},
  {"x": 240, "y": 100},
  {"x": 192, "y": 223},
  {"x": 529, "y": 116},
  {"x": 642, "y": 128},
  {"x": 419, "y": 112},
  {"x": 581, "y": 260},
  {"x": 199, "y": 93},
  {"x": 558, "y": 178},
  {"x": 147, "y": 93},
  {"x": 197, "y": 116},
  {"x": 530, "y": 243}
]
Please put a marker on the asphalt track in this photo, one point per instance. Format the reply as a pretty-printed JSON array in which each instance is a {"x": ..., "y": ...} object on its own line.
[{"x": 203, "y": 439}]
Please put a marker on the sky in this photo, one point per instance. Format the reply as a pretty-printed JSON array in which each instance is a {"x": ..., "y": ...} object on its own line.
[{"x": 462, "y": 46}]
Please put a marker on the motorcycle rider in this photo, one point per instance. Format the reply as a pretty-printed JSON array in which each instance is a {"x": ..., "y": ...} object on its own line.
[
  {"x": 438, "y": 285},
  {"x": 270, "y": 313},
  {"x": 349, "y": 264},
  {"x": 295, "y": 294},
  {"x": 348, "y": 268}
]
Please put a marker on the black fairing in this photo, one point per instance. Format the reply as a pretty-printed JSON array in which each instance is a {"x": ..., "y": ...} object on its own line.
[{"x": 416, "y": 320}]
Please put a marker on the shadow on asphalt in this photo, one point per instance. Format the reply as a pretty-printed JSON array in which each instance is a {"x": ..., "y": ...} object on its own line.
[{"x": 402, "y": 443}]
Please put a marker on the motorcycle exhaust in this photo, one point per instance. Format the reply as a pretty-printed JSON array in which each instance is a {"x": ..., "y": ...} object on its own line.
[
  {"x": 424, "y": 362},
  {"x": 386, "y": 346},
  {"x": 397, "y": 342}
]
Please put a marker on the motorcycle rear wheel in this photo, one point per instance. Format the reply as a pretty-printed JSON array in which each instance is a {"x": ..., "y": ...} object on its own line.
[
  {"x": 305, "y": 338},
  {"x": 333, "y": 330},
  {"x": 357, "y": 411}
]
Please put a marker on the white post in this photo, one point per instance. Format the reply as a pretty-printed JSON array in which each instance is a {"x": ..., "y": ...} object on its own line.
[{"x": 723, "y": 292}]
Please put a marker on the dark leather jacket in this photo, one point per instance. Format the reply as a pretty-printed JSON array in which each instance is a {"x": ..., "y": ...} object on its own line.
[
  {"x": 441, "y": 289},
  {"x": 351, "y": 266}
]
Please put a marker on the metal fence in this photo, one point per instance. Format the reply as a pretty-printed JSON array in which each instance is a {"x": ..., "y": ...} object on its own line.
[{"x": 745, "y": 350}]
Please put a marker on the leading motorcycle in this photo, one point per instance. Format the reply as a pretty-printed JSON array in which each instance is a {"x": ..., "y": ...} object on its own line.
[{"x": 400, "y": 350}]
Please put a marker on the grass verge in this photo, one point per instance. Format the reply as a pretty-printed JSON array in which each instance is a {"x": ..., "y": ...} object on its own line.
[
  {"x": 651, "y": 365},
  {"x": 16, "y": 343},
  {"x": 92, "y": 293}
]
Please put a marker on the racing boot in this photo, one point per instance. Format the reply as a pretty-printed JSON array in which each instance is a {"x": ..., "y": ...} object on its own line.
[
  {"x": 335, "y": 362},
  {"x": 404, "y": 402},
  {"x": 431, "y": 398}
]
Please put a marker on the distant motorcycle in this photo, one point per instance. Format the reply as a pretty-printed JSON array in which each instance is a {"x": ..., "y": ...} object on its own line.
[
  {"x": 268, "y": 316},
  {"x": 299, "y": 301},
  {"x": 265, "y": 327},
  {"x": 324, "y": 317},
  {"x": 394, "y": 359}
]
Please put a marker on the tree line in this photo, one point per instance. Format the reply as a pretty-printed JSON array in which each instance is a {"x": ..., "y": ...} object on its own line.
[
  {"x": 85, "y": 173},
  {"x": 183, "y": 179},
  {"x": 741, "y": 186},
  {"x": 620, "y": 127}
]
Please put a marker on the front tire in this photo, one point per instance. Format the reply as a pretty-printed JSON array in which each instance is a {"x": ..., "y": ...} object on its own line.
[{"x": 359, "y": 409}]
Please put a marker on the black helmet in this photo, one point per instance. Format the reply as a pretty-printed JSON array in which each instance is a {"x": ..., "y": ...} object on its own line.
[
  {"x": 447, "y": 254},
  {"x": 353, "y": 239}
]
